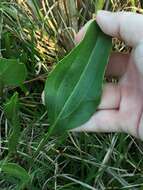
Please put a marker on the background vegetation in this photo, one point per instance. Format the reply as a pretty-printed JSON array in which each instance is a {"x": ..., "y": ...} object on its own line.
[{"x": 38, "y": 34}]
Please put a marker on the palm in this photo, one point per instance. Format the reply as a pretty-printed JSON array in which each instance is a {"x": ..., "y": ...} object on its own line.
[
  {"x": 121, "y": 105},
  {"x": 131, "y": 103}
]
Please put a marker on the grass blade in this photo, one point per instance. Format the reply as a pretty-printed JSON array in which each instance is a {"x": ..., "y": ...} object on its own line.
[{"x": 11, "y": 110}]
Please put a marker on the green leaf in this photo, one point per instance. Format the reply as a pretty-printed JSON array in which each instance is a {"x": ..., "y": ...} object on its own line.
[
  {"x": 16, "y": 171},
  {"x": 11, "y": 110},
  {"x": 74, "y": 88},
  {"x": 12, "y": 72}
]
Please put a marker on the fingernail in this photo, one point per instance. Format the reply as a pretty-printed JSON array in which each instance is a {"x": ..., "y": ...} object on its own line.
[
  {"x": 102, "y": 13},
  {"x": 104, "y": 16},
  {"x": 105, "y": 21}
]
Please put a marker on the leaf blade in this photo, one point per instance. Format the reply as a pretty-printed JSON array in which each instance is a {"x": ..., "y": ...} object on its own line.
[
  {"x": 11, "y": 110},
  {"x": 15, "y": 170},
  {"x": 12, "y": 72},
  {"x": 64, "y": 95}
]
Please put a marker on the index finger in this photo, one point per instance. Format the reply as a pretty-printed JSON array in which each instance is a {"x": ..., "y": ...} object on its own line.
[{"x": 124, "y": 25}]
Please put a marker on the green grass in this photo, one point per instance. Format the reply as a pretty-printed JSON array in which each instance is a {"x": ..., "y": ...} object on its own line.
[{"x": 39, "y": 33}]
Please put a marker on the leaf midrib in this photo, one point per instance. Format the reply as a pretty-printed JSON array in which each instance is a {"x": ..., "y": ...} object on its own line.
[{"x": 81, "y": 99}]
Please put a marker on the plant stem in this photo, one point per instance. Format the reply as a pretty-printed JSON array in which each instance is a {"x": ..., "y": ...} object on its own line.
[
  {"x": 141, "y": 2},
  {"x": 1, "y": 28},
  {"x": 1, "y": 89},
  {"x": 99, "y": 4},
  {"x": 41, "y": 144},
  {"x": 133, "y": 5}
]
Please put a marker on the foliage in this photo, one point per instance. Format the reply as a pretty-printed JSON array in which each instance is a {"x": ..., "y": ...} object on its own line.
[
  {"x": 38, "y": 34},
  {"x": 16, "y": 171},
  {"x": 11, "y": 109},
  {"x": 69, "y": 93}
]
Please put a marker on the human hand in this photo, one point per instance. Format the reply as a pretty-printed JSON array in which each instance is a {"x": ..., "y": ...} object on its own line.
[{"x": 121, "y": 107}]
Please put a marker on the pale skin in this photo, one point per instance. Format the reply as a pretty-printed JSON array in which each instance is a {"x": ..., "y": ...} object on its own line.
[{"x": 121, "y": 107}]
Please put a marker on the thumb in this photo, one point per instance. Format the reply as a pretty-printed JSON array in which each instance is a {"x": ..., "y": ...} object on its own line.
[{"x": 124, "y": 25}]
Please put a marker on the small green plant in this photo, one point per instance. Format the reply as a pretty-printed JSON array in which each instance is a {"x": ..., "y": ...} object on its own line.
[
  {"x": 17, "y": 171},
  {"x": 11, "y": 110},
  {"x": 34, "y": 35},
  {"x": 12, "y": 74},
  {"x": 74, "y": 88}
]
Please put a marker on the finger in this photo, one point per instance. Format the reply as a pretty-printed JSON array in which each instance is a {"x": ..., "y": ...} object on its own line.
[
  {"x": 102, "y": 121},
  {"x": 111, "y": 97},
  {"x": 80, "y": 35},
  {"x": 118, "y": 63},
  {"x": 137, "y": 56},
  {"x": 124, "y": 25}
]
